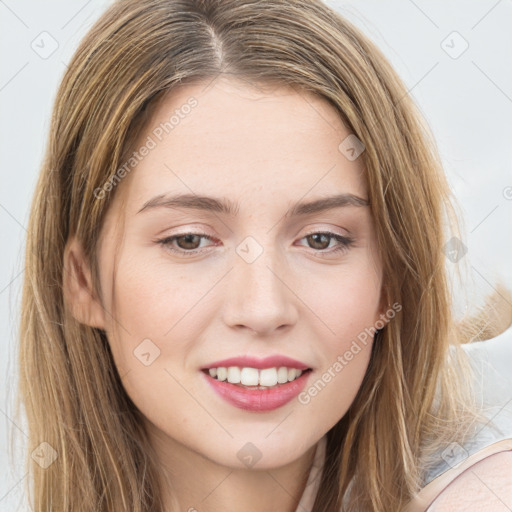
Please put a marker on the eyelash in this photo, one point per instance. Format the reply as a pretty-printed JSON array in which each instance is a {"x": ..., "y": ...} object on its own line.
[{"x": 345, "y": 243}]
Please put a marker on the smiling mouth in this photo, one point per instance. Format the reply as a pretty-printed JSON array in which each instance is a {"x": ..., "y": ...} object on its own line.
[{"x": 253, "y": 378}]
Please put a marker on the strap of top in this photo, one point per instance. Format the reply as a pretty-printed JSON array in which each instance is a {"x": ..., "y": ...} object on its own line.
[
  {"x": 430, "y": 492},
  {"x": 492, "y": 361}
]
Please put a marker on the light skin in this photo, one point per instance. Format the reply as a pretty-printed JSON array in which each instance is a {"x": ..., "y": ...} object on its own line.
[
  {"x": 487, "y": 485},
  {"x": 265, "y": 150}
]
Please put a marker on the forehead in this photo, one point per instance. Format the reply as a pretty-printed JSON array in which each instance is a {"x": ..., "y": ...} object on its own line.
[{"x": 252, "y": 145}]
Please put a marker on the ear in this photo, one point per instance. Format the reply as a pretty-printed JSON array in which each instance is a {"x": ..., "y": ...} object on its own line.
[
  {"x": 383, "y": 307},
  {"x": 77, "y": 287}
]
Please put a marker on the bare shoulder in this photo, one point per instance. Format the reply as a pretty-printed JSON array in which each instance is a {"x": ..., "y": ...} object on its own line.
[{"x": 484, "y": 487}]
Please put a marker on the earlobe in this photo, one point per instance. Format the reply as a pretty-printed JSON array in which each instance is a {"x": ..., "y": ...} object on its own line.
[{"x": 77, "y": 287}]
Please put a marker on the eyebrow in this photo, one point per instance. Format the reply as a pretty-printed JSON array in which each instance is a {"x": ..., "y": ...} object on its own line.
[{"x": 227, "y": 207}]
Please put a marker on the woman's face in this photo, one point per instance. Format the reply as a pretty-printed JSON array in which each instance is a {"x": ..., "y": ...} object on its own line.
[{"x": 251, "y": 282}]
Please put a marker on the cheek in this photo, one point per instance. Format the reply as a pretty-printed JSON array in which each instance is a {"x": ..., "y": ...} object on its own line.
[
  {"x": 346, "y": 301},
  {"x": 160, "y": 312},
  {"x": 347, "y": 308},
  {"x": 154, "y": 308},
  {"x": 151, "y": 299},
  {"x": 330, "y": 394},
  {"x": 345, "y": 350}
]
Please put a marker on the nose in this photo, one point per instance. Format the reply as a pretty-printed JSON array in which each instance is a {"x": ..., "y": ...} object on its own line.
[{"x": 260, "y": 295}]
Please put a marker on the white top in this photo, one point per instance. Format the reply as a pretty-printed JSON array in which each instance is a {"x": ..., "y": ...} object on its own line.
[{"x": 492, "y": 360}]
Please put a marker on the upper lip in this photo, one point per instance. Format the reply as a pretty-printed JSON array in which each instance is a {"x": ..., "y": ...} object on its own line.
[{"x": 254, "y": 362}]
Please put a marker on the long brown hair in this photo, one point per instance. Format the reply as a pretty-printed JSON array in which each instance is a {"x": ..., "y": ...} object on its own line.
[{"x": 72, "y": 393}]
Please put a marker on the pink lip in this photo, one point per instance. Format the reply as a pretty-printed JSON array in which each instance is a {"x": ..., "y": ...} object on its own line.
[
  {"x": 258, "y": 400},
  {"x": 253, "y": 362}
]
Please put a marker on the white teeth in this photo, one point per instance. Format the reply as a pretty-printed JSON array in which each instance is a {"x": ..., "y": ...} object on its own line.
[
  {"x": 222, "y": 373},
  {"x": 266, "y": 377},
  {"x": 234, "y": 374},
  {"x": 249, "y": 377},
  {"x": 282, "y": 375}
]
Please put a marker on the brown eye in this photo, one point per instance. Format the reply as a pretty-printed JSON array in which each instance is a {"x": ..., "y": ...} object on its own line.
[
  {"x": 188, "y": 244},
  {"x": 190, "y": 241},
  {"x": 317, "y": 242},
  {"x": 320, "y": 241}
]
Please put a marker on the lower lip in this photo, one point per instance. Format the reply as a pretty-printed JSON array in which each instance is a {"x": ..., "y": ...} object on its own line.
[{"x": 258, "y": 399}]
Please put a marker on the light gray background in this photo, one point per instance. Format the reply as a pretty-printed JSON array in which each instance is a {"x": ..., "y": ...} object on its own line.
[{"x": 467, "y": 102}]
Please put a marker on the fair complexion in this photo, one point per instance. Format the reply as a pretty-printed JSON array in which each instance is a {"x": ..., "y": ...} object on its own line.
[
  {"x": 487, "y": 485},
  {"x": 265, "y": 151}
]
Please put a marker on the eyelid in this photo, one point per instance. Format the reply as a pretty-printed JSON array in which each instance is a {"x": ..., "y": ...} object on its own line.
[
  {"x": 344, "y": 242},
  {"x": 325, "y": 230},
  {"x": 191, "y": 231}
]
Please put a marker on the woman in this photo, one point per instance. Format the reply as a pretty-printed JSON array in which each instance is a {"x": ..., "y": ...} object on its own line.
[{"x": 181, "y": 349}]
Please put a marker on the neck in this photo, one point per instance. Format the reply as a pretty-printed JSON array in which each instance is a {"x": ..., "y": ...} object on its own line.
[{"x": 193, "y": 483}]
